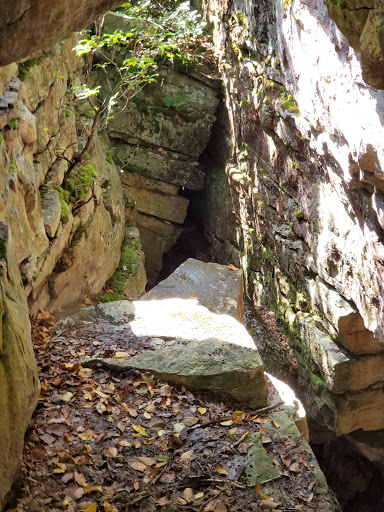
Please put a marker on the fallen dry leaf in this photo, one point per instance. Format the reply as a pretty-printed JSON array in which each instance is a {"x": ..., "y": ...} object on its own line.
[
  {"x": 92, "y": 507},
  {"x": 220, "y": 470},
  {"x": 188, "y": 494},
  {"x": 148, "y": 461},
  {"x": 185, "y": 456},
  {"x": 138, "y": 466}
]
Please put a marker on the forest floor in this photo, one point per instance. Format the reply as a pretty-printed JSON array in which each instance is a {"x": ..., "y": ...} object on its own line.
[{"x": 102, "y": 441}]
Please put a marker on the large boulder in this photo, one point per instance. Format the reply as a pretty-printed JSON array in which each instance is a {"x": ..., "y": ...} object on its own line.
[{"x": 222, "y": 368}]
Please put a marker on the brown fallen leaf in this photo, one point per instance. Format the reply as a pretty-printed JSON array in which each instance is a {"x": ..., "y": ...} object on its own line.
[
  {"x": 121, "y": 355},
  {"x": 269, "y": 505},
  {"x": 295, "y": 467},
  {"x": 186, "y": 455},
  {"x": 148, "y": 461},
  {"x": 92, "y": 507},
  {"x": 189, "y": 421},
  {"x": 121, "y": 426},
  {"x": 78, "y": 493},
  {"x": 138, "y": 466},
  {"x": 188, "y": 494},
  {"x": 221, "y": 470},
  {"x": 93, "y": 488},
  {"x": 124, "y": 443},
  {"x": 113, "y": 451},
  {"x": 220, "y": 507},
  {"x": 80, "y": 479},
  {"x": 232, "y": 267},
  {"x": 162, "y": 501}
]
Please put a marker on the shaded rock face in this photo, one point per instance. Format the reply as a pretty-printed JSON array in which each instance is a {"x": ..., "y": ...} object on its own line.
[
  {"x": 158, "y": 139},
  {"x": 27, "y": 26},
  {"x": 301, "y": 193},
  {"x": 19, "y": 384}
]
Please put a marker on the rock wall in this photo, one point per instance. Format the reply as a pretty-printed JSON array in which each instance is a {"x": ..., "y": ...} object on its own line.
[
  {"x": 55, "y": 249},
  {"x": 157, "y": 141},
  {"x": 300, "y": 173},
  {"x": 28, "y": 26},
  {"x": 19, "y": 384},
  {"x": 51, "y": 253}
]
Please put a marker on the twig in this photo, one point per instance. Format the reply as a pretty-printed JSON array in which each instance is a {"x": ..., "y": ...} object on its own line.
[
  {"x": 210, "y": 499},
  {"x": 210, "y": 422},
  {"x": 244, "y": 436},
  {"x": 269, "y": 407}
]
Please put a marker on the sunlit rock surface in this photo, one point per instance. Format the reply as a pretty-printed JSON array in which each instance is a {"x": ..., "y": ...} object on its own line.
[
  {"x": 54, "y": 247},
  {"x": 217, "y": 287},
  {"x": 301, "y": 192}
]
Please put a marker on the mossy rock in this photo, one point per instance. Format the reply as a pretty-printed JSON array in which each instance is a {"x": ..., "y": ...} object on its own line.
[{"x": 110, "y": 297}]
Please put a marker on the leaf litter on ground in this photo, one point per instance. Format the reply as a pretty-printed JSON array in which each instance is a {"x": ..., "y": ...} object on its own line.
[{"x": 103, "y": 441}]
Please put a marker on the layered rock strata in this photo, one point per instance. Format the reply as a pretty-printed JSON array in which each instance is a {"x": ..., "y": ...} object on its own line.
[
  {"x": 158, "y": 139},
  {"x": 302, "y": 195},
  {"x": 54, "y": 247}
]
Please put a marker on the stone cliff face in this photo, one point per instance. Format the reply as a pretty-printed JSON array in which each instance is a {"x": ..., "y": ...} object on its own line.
[
  {"x": 50, "y": 255},
  {"x": 55, "y": 249},
  {"x": 300, "y": 143}
]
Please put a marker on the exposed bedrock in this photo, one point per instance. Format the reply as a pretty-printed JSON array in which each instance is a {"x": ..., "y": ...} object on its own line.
[
  {"x": 158, "y": 139},
  {"x": 300, "y": 187}
]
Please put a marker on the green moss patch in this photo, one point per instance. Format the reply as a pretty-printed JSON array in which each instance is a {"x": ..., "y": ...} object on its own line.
[
  {"x": 25, "y": 67},
  {"x": 110, "y": 297},
  {"x": 80, "y": 181},
  {"x": 64, "y": 198},
  {"x": 129, "y": 265}
]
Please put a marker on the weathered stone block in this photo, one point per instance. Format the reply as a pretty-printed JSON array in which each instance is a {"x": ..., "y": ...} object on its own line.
[
  {"x": 138, "y": 181},
  {"x": 173, "y": 208},
  {"x": 161, "y": 165},
  {"x": 51, "y": 206},
  {"x": 354, "y": 336},
  {"x": 130, "y": 277},
  {"x": 26, "y": 126},
  {"x": 340, "y": 370},
  {"x": 162, "y": 227},
  {"x": 226, "y": 370}
]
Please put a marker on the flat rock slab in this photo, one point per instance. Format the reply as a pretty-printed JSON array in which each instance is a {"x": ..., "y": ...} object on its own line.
[
  {"x": 51, "y": 206},
  {"x": 225, "y": 369},
  {"x": 182, "y": 320},
  {"x": 216, "y": 287},
  {"x": 258, "y": 465}
]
